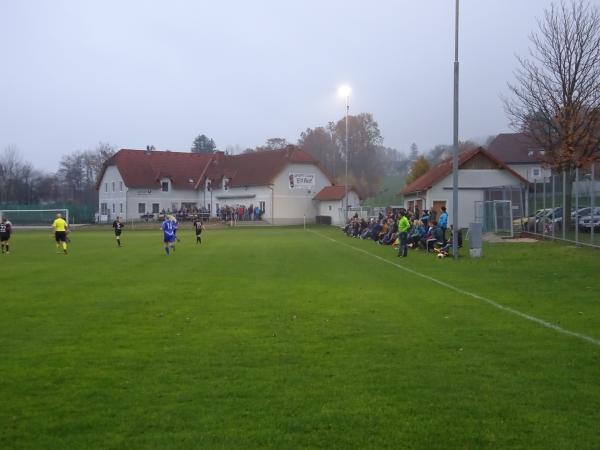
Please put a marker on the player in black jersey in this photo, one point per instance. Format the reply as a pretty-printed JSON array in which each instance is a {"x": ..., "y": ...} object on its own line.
[
  {"x": 118, "y": 226},
  {"x": 5, "y": 229},
  {"x": 198, "y": 227}
]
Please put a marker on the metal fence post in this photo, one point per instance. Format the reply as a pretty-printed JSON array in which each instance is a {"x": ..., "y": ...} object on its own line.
[
  {"x": 544, "y": 207},
  {"x": 553, "y": 200},
  {"x": 534, "y": 206},
  {"x": 592, "y": 200},
  {"x": 564, "y": 198},
  {"x": 576, "y": 207}
]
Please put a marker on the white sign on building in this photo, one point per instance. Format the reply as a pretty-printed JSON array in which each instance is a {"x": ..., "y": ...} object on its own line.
[{"x": 302, "y": 181}]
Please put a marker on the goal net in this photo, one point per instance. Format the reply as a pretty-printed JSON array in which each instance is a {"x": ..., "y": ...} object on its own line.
[
  {"x": 496, "y": 216},
  {"x": 33, "y": 217}
]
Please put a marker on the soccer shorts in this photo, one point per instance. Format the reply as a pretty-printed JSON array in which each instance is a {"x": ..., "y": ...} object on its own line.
[
  {"x": 117, "y": 232},
  {"x": 60, "y": 236},
  {"x": 4, "y": 237},
  {"x": 168, "y": 238}
]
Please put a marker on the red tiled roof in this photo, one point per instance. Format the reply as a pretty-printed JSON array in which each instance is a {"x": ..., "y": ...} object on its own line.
[
  {"x": 515, "y": 148},
  {"x": 443, "y": 169},
  {"x": 333, "y": 193},
  {"x": 142, "y": 169}
]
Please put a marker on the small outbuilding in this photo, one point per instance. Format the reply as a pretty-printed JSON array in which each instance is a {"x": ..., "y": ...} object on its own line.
[{"x": 478, "y": 172}]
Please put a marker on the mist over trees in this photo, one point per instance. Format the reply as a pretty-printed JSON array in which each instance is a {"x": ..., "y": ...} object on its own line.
[
  {"x": 75, "y": 180},
  {"x": 366, "y": 155}
]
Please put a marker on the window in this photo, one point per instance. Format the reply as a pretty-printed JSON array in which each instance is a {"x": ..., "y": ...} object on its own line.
[
  {"x": 155, "y": 208},
  {"x": 103, "y": 209},
  {"x": 329, "y": 207},
  {"x": 165, "y": 186},
  {"x": 121, "y": 207},
  {"x": 113, "y": 186},
  {"x": 142, "y": 208},
  {"x": 105, "y": 187},
  {"x": 113, "y": 207},
  {"x": 536, "y": 172},
  {"x": 262, "y": 206},
  {"x": 120, "y": 186},
  {"x": 225, "y": 184},
  {"x": 530, "y": 153}
]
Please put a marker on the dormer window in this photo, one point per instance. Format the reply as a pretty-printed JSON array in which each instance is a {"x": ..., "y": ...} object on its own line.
[
  {"x": 225, "y": 184},
  {"x": 530, "y": 153},
  {"x": 164, "y": 186}
]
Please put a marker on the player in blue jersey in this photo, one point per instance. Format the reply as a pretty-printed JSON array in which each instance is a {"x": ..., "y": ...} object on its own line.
[{"x": 168, "y": 234}]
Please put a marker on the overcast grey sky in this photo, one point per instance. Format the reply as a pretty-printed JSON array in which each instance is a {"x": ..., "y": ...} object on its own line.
[{"x": 131, "y": 73}]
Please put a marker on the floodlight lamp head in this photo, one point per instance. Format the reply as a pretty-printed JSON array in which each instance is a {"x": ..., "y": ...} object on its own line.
[{"x": 344, "y": 91}]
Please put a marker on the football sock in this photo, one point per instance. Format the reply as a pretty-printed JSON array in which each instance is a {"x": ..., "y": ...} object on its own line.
[
  {"x": 167, "y": 250},
  {"x": 118, "y": 242}
]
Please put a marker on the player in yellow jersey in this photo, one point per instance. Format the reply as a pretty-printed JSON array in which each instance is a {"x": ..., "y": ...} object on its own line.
[{"x": 60, "y": 232}]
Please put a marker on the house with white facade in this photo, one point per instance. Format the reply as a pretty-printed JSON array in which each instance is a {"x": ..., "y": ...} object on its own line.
[
  {"x": 478, "y": 172},
  {"x": 136, "y": 184},
  {"x": 332, "y": 202},
  {"x": 522, "y": 154}
]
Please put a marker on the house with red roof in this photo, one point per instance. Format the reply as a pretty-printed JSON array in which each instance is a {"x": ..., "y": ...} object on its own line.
[
  {"x": 478, "y": 171},
  {"x": 284, "y": 184},
  {"x": 521, "y": 153},
  {"x": 332, "y": 202}
]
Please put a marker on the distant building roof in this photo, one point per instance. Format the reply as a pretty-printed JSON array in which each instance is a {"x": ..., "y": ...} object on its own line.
[
  {"x": 515, "y": 148},
  {"x": 334, "y": 193},
  {"x": 444, "y": 168},
  {"x": 144, "y": 169}
]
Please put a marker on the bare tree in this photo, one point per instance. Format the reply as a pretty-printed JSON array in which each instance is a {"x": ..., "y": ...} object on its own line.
[{"x": 556, "y": 96}]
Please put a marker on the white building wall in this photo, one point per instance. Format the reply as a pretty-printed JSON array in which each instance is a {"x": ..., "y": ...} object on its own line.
[
  {"x": 282, "y": 205},
  {"x": 531, "y": 172},
  {"x": 235, "y": 196},
  {"x": 472, "y": 185},
  {"x": 335, "y": 209},
  {"x": 168, "y": 201},
  {"x": 113, "y": 192},
  {"x": 292, "y": 205}
]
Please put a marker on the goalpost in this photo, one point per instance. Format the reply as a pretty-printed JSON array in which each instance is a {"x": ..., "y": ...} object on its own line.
[{"x": 32, "y": 217}]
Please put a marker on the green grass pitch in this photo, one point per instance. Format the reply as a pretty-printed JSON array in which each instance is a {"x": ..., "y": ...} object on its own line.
[{"x": 284, "y": 338}]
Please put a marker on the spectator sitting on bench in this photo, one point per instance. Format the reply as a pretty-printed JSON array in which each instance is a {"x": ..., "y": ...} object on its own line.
[
  {"x": 417, "y": 235},
  {"x": 445, "y": 249},
  {"x": 434, "y": 237}
]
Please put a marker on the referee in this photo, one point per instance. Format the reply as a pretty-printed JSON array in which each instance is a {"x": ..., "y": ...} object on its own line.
[{"x": 60, "y": 233}]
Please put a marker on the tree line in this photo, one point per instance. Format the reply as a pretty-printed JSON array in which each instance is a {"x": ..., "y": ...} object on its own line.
[{"x": 74, "y": 181}]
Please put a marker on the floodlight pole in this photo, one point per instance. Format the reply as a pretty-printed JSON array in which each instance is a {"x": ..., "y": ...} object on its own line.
[
  {"x": 346, "y": 177},
  {"x": 455, "y": 149}
]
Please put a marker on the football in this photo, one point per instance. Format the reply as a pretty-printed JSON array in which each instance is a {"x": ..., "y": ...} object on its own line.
[{"x": 440, "y": 255}]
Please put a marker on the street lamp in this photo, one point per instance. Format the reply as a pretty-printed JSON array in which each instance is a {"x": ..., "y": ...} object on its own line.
[
  {"x": 455, "y": 144},
  {"x": 344, "y": 92}
]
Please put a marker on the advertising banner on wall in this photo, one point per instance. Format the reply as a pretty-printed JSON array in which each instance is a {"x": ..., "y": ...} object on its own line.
[{"x": 302, "y": 180}]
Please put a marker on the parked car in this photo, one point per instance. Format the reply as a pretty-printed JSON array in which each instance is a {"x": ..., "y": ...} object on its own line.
[{"x": 592, "y": 219}]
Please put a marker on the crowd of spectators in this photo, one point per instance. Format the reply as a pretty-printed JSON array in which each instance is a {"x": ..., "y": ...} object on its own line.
[
  {"x": 403, "y": 230},
  {"x": 233, "y": 214}
]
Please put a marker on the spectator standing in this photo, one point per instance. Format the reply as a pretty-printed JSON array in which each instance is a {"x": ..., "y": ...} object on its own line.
[
  {"x": 403, "y": 227},
  {"x": 443, "y": 223}
]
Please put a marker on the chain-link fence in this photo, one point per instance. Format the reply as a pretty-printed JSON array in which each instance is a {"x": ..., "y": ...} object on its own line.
[{"x": 565, "y": 206}]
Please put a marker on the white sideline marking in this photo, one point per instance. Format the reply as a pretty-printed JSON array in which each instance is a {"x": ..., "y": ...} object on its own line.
[{"x": 508, "y": 309}]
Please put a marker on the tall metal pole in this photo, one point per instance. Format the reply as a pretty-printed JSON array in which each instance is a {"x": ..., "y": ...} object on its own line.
[
  {"x": 346, "y": 178},
  {"x": 455, "y": 152}
]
